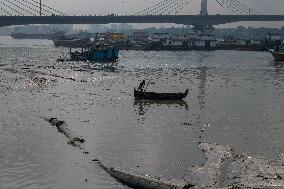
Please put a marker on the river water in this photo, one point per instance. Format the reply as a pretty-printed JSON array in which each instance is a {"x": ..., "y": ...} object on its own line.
[{"x": 235, "y": 98}]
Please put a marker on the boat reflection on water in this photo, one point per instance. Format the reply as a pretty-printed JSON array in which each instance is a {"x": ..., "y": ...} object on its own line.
[{"x": 143, "y": 105}]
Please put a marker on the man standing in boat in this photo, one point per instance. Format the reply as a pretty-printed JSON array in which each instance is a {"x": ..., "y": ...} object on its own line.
[{"x": 141, "y": 85}]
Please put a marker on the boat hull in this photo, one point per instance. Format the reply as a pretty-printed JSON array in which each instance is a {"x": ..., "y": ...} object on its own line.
[
  {"x": 108, "y": 54},
  {"x": 71, "y": 43},
  {"x": 159, "y": 96},
  {"x": 278, "y": 56},
  {"x": 48, "y": 36}
]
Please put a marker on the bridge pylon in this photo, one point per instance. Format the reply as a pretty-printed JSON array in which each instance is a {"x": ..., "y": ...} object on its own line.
[
  {"x": 205, "y": 32},
  {"x": 204, "y": 8},
  {"x": 203, "y": 12}
]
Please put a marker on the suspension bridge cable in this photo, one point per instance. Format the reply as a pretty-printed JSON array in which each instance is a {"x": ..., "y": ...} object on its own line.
[
  {"x": 182, "y": 7},
  {"x": 37, "y": 6},
  {"x": 173, "y": 8},
  {"x": 178, "y": 7},
  {"x": 50, "y": 8},
  {"x": 161, "y": 9},
  {"x": 158, "y": 9},
  {"x": 20, "y": 7},
  {"x": 250, "y": 9},
  {"x": 242, "y": 9},
  {"x": 166, "y": 7},
  {"x": 220, "y": 3},
  {"x": 37, "y": 11},
  {"x": 12, "y": 9},
  {"x": 235, "y": 7},
  {"x": 228, "y": 5},
  {"x": 151, "y": 8},
  {"x": 6, "y": 11}
]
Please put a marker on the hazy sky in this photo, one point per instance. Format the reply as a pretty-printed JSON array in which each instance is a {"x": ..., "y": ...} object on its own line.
[
  {"x": 97, "y": 7},
  {"x": 126, "y": 7}
]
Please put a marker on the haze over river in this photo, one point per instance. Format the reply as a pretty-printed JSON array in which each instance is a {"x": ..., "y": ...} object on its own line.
[{"x": 235, "y": 98}]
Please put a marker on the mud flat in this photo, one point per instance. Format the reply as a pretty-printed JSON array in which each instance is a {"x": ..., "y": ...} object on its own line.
[{"x": 223, "y": 169}]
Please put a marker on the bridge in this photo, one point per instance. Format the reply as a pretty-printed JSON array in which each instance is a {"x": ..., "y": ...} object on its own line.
[
  {"x": 177, "y": 19},
  {"x": 166, "y": 11}
]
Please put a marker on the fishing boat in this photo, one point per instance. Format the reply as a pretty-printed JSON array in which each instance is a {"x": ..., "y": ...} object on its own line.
[
  {"x": 95, "y": 53},
  {"x": 278, "y": 53},
  {"x": 159, "y": 96}
]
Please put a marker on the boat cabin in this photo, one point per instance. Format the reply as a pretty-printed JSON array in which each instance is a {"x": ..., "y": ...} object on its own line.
[{"x": 96, "y": 53}]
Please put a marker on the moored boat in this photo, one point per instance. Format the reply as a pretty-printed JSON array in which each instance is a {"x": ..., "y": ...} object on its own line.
[
  {"x": 159, "y": 96},
  {"x": 278, "y": 53},
  {"x": 21, "y": 35},
  {"x": 72, "y": 43},
  {"x": 95, "y": 53}
]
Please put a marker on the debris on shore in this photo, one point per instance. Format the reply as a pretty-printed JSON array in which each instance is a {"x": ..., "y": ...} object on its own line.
[
  {"x": 141, "y": 181},
  {"x": 223, "y": 168}
]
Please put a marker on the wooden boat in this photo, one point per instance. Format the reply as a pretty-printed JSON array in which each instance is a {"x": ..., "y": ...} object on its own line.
[
  {"x": 159, "y": 96},
  {"x": 20, "y": 35},
  {"x": 95, "y": 53},
  {"x": 72, "y": 43},
  {"x": 278, "y": 53}
]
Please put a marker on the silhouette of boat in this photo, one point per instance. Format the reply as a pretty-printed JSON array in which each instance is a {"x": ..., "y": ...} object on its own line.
[
  {"x": 70, "y": 42},
  {"x": 95, "y": 53},
  {"x": 159, "y": 96},
  {"x": 21, "y": 35},
  {"x": 278, "y": 53}
]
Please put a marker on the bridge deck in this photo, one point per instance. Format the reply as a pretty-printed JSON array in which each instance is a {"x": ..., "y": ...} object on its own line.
[{"x": 177, "y": 19}]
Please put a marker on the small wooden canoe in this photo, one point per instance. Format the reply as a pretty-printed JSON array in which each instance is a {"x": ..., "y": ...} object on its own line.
[{"x": 159, "y": 96}]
